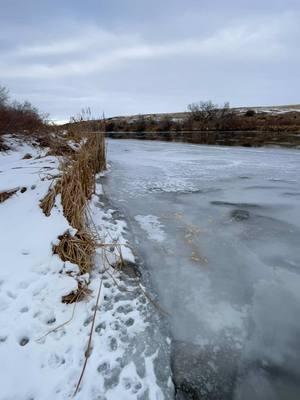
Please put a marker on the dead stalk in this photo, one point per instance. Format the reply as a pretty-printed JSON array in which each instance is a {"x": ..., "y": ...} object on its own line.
[{"x": 7, "y": 194}]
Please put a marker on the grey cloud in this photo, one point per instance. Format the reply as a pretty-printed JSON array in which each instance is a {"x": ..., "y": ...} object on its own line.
[{"x": 136, "y": 56}]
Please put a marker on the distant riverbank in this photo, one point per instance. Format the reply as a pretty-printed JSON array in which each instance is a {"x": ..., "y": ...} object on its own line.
[{"x": 225, "y": 138}]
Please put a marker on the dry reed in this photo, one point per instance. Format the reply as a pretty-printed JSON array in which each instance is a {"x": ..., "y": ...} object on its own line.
[
  {"x": 80, "y": 293},
  {"x": 6, "y": 194},
  {"x": 78, "y": 179},
  {"x": 78, "y": 249},
  {"x": 48, "y": 201},
  {"x": 76, "y": 185}
]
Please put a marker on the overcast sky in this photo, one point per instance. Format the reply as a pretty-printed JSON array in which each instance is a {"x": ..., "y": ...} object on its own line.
[{"x": 140, "y": 56}]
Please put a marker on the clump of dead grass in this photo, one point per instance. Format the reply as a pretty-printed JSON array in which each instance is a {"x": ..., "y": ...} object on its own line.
[
  {"x": 48, "y": 201},
  {"x": 6, "y": 194},
  {"x": 76, "y": 185},
  {"x": 77, "y": 181},
  {"x": 78, "y": 249},
  {"x": 79, "y": 177},
  {"x": 79, "y": 294},
  {"x": 60, "y": 148}
]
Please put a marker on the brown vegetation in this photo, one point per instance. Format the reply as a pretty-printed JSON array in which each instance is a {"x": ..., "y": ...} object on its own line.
[
  {"x": 77, "y": 249},
  {"x": 76, "y": 184},
  {"x": 79, "y": 294},
  {"x": 7, "y": 194},
  {"x": 208, "y": 123},
  {"x": 48, "y": 201},
  {"x": 18, "y": 117}
]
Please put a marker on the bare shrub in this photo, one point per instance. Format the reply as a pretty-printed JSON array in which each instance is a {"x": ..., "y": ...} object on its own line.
[
  {"x": 18, "y": 117},
  {"x": 140, "y": 123},
  {"x": 165, "y": 124},
  {"x": 4, "y": 95},
  {"x": 203, "y": 111}
]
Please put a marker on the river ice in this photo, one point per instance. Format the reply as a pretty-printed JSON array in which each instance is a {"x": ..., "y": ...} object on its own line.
[{"x": 219, "y": 231}]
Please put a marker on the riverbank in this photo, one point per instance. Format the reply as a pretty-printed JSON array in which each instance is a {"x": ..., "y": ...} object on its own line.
[
  {"x": 65, "y": 331},
  {"x": 222, "y": 138}
]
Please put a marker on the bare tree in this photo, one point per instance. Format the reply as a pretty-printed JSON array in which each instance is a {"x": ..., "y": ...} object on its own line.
[
  {"x": 207, "y": 111},
  {"x": 165, "y": 123},
  {"x": 140, "y": 124},
  {"x": 203, "y": 111},
  {"x": 3, "y": 96}
]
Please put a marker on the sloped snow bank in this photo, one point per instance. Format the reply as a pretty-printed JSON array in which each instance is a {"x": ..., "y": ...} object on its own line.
[{"x": 42, "y": 340}]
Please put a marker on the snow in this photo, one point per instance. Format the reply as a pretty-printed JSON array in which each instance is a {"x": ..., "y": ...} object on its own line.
[
  {"x": 228, "y": 275},
  {"x": 151, "y": 225},
  {"x": 42, "y": 340}
]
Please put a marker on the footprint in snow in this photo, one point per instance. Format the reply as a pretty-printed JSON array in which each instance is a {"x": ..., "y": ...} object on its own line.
[
  {"x": 55, "y": 361},
  {"x": 132, "y": 385},
  {"x": 11, "y": 295},
  {"x": 23, "y": 341},
  {"x": 126, "y": 309},
  {"x": 24, "y": 285},
  {"x": 113, "y": 343},
  {"x": 103, "y": 368},
  {"x": 100, "y": 327}
]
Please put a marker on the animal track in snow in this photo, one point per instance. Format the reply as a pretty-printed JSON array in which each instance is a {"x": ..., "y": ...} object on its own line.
[{"x": 23, "y": 341}]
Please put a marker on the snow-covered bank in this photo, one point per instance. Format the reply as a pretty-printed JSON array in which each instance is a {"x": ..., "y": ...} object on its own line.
[{"x": 42, "y": 340}]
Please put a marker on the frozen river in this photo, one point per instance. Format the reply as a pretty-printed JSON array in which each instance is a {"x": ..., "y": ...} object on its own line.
[{"x": 219, "y": 231}]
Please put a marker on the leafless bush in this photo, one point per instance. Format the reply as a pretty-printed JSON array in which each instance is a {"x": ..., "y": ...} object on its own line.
[
  {"x": 3, "y": 96},
  {"x": 210, "y": 115},
  {"x": 203, "y": 111},
  {"x": 140, "y": 123},
  {"x": 18, "y": 117},
  {"x": 165, "y": 124}
]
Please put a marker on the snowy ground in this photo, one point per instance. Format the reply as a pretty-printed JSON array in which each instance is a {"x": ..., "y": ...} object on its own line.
[
  {"x": 130, "y": 351},
  {"x": 219, "y": 229}
]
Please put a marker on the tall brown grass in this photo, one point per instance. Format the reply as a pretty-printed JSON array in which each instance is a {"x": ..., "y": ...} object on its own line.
[
  {"x": 78, "y": 178},
  {"x": 76, "y": 185}
]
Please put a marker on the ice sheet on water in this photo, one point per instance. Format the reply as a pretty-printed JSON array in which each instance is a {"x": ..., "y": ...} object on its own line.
[{"x": 229, "y": 272}]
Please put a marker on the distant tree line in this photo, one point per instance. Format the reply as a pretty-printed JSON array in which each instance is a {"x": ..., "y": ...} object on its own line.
[{"x": 203, "y": 116}]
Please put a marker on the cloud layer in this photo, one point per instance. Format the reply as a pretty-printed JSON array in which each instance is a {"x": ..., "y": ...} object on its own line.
[{"x": 160, "y": 63}]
